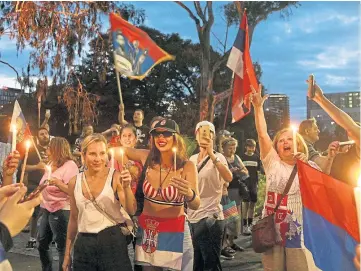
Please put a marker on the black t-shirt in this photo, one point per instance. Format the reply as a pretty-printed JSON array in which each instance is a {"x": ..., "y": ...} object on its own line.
[
  {"x": 35, "y": 176},
  {"x": 346, "y": 167},
  {"x": 142, "y": 137},
  {"x": 253, "y": 165}
]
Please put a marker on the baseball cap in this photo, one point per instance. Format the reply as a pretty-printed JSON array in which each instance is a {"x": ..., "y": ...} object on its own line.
[
  {"x": 225, "y": 133},
  {"x": 166, "y": 125},
  {"x": 206, "y": 123}
]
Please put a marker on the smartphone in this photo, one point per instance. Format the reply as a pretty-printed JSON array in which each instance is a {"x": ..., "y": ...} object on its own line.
[
  {"x": 311, "y": 86},
  {"x": 36, "y": 192},
  {"x": 350, "y": 142},
  {"x": 203, "y": 132}
]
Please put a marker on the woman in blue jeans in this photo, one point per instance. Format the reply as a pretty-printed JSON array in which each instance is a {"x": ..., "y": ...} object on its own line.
[
  {"x": 207, "y": 223},
  {"x": 55, "y": 206}
]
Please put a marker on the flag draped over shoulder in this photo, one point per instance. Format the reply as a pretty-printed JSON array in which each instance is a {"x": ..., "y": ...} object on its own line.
[
  {"x": 22, "y": 128},
  {"x": 330, "y": 223},
  {"x": 135, "y": 53},
  {"x": 240, "y": 63}
]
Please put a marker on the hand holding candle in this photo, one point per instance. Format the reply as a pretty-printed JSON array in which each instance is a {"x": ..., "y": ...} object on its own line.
[
  {"x": 294, "y": 132},
  {"x": 27, "y": 145},
  {"x": 174, "y": 150}
]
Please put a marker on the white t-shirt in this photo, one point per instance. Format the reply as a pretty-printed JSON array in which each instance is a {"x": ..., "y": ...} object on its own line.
[
  {"x": 210, "y": 185},
  {"x": 289, "y": 214}
]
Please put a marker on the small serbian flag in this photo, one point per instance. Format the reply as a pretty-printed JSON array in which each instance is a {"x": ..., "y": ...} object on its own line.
[
  {"x": 330, "y": 223},
  {"x": 240, "y": 63},
  {"x": 135, "y": 53},
  {"x": 22, "y": 129},
  {"x": 160, "y": 241}
]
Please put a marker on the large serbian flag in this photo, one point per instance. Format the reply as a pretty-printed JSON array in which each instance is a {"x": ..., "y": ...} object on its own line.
[
  {"x": 135, "y": 53},
  {"x": 160, "y": 241},
  {"x": 240, "y": 63},
  {"x": 330, "y": 223},
  {"x": 22, "y": 129}
]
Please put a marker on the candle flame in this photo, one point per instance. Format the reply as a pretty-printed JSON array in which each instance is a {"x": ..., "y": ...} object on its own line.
[
  {"x": 294, "y": 128},
  {"x": 359, "y": 181},
  {"x": 121, "y": 151},
  {"x": 28, "y": 144},
  {"x": 174, "y": 149},
  {"x": 48, "y": 168},
  {"x": 111, "y": 152}
]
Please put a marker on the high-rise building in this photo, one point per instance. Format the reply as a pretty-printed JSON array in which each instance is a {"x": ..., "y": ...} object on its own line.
[
  {"x": 7, "y": 95},
  {"x": 348, "y": 102},
  {"x": 277, "y": 112}
]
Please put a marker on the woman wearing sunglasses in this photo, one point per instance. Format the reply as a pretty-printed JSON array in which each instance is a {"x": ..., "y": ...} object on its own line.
[{"x": 163, "y": 236}]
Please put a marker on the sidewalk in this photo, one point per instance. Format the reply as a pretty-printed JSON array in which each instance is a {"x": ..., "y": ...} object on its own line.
[{"x": 28, "y": 260}]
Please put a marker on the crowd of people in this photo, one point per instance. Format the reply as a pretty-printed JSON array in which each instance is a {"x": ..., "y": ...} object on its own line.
[{"x": 134, "y": 184}]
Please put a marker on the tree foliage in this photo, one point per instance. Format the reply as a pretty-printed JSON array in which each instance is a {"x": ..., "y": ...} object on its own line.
[{"x": 57, "y": 31}]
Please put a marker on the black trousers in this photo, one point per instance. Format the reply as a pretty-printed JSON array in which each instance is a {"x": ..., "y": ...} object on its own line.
[{"x": 104, "y": 251}]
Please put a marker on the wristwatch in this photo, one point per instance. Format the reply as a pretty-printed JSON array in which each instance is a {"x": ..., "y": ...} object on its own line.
[{"x": 216, "y": 160}]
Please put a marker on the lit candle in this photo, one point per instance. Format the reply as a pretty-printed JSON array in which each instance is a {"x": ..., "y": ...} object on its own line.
[
  {"x": 111, "y": 158},
  {"x": 48, "y": 169},
  {"x": 294, "y": 130},
  {"x": 357, "y": 191},
  {"x": 27, "y": 146},
  {"x": 174, "y": 149},
  {"x": 121, "y": 156},
  {"x": 13, "y": 143}
]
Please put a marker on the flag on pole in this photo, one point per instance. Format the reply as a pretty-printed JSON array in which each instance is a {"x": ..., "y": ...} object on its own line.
[
  {"x": 330, "y": 224},
  {"x": 240, "y": 63},
  {"x": 135, "y": 53},
  {"x": 22, "y": 129}
]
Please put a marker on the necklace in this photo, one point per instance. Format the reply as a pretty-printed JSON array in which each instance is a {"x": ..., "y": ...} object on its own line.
[{"x": 160, "y": 178}]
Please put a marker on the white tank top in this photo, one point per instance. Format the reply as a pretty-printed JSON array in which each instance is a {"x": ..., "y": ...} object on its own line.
[{"x": 90, "y": 220}]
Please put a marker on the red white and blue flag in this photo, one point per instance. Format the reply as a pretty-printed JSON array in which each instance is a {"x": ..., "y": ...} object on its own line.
[
  {"x": 135, "y": 53},
  {"x": 160, "y": 241},
  {"x": 240, "y": 63},
  {"x": 330, "y": 224},
  {"x": 22, "y": 129}
]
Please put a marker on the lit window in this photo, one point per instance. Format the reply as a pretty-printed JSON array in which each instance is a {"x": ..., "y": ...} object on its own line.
[{"x": 350, "y": 94}]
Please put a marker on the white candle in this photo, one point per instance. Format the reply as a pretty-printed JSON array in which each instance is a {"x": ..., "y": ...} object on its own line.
[
  {"x": 174, "y": 149},
  {"x": 13, "y": 143},
  {"x": 112, "y": 158},
  {"x": 121, "y": 156},
  {"x": 27, "y": 145},
  {"x": 357, "y": 192},
  {"x": 294, "y": 130},
  {"x": 48, "y": 169}
]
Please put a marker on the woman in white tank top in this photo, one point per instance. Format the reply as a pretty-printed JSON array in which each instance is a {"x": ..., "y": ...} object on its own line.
[{"x": 100, "y": 244}]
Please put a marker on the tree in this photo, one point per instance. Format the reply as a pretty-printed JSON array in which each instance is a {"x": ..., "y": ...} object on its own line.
[
  {"x": 204, "y": 19},
  {"x": 57, "y": 31}
]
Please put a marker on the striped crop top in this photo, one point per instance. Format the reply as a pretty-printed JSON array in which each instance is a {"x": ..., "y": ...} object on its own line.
[{"x": 169, "y": 194}]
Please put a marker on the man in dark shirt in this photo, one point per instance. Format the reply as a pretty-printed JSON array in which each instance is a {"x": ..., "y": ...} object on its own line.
[
  {"x": 35, "y": 170},
  {"x": 253, "y": 165},
  {"x": 141, "y": 129},
  {"x": 308, "y": 129}
]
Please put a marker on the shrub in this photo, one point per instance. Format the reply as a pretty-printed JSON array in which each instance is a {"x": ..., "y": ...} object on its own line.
[{"x": 261, "y": 194}]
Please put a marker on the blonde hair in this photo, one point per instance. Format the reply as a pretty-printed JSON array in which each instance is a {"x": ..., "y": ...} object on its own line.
[
  {"x": 60, "y": 151},
  {"x": 93, "y": 138},
  {"x": 301, "y": 144},
  {"x": 229, "y": 141}
]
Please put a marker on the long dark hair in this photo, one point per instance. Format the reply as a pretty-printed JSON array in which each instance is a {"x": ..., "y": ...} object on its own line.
[{"x": 182, "y": 158}]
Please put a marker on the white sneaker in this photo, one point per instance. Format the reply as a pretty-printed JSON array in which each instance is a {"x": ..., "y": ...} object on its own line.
[{"x": 247, "y": 231}]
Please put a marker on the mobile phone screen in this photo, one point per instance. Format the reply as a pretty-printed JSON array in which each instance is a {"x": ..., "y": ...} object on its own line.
[{"x": 36, "y": 192}]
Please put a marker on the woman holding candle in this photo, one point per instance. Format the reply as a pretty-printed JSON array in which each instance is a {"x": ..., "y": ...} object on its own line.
[
  {"x": 96, "y": 219},
  {"x": 163, "y": 236},
  {"x": 279, "y": 158},
  {"x": 55, "y": 206}
]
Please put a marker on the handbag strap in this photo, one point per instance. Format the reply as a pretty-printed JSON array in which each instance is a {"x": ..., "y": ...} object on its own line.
[
  {"x": 96, "y": 205},
  {"x": 204, "y": 163},
  {"x": 287, "y": 188}
]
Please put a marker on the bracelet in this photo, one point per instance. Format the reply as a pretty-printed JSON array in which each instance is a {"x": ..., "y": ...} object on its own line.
[
  {"x": 216, "y": 161},
  {"x": 193, "y": 197}
]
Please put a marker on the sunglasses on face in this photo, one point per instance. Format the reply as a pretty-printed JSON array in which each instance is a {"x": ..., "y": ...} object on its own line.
[{"x": 164, "y": 133}]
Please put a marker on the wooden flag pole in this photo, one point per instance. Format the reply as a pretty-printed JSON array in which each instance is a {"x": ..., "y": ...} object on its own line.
[
  {"x": 119, "y": 87},
  {"x": 36, "y": 149},
  {"x": 229, "y": 99}
]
